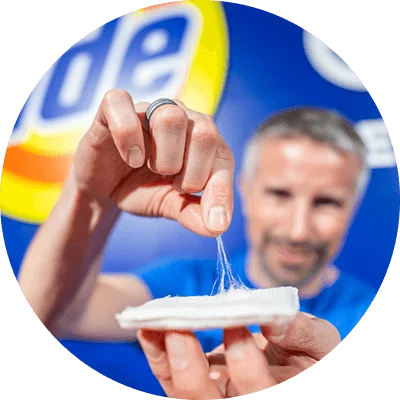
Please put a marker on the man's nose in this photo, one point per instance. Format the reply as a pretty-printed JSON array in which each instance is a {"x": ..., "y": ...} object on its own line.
[{"x": 299, "y": 222}]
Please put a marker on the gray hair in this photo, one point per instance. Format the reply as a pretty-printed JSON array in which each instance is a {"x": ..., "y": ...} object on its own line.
[{"x": 321, "y": 125}]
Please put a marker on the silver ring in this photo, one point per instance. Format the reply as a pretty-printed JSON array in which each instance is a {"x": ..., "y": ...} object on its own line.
[{"x": 153, "y": 107}]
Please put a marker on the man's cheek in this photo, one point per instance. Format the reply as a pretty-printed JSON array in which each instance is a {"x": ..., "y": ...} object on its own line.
[
  {"x": 332, "y": 228},
  {"x": 328, "y": 228},
  {"x": 257, "y": 229},
  {"x": 266, "y": 221}
]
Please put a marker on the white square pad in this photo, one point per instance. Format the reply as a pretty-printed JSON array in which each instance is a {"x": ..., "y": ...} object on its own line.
[{"x": 236, "y": 307}]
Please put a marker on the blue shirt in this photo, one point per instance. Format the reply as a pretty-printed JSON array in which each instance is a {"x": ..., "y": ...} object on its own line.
[{"x": 343, "y": 304}]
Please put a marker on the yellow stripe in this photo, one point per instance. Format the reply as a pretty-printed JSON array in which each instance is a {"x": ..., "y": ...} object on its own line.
[
  {"x": 205, "y": 81},
  {"x": 27, "y": 200}
]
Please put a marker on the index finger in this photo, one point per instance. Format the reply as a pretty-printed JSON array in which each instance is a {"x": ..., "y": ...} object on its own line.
[
  {"x": 217, "y": 199},
  {"x": 117, "y": 116}
]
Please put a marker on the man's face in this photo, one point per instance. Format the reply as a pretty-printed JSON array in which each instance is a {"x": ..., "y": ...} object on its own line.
[{"x": 298, "y": 206}]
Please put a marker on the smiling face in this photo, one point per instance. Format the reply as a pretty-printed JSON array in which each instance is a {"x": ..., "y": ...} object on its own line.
[{"x": 298, "y": 205}]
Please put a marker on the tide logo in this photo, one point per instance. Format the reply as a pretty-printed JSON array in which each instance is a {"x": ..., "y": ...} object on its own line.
[{"x": 171, "y": 50}]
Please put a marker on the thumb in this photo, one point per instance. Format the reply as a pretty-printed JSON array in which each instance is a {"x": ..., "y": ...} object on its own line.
[{"x": 307, "y": 334}]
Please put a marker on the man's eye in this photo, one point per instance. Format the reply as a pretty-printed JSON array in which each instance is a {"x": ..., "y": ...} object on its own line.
[
  {"x": 328, "y": 201},
  {"x": 281, "y": 193}
]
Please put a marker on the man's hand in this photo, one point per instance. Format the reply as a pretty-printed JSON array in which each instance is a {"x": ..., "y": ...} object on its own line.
[
  {"x": 245, "y": 363},
  {"x": 157, "y": 175},
  {"x": 118, "y": 165}
]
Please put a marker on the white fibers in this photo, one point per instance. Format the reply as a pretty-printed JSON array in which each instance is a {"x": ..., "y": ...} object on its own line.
[{"x": 227, "y": 279}]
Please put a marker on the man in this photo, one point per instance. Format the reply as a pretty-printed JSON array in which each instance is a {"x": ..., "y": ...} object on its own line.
[{"x": 303, "y": 174}]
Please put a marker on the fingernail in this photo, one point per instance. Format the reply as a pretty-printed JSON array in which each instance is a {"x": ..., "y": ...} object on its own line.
[
  {"x": 135, "y": 157},
  {"x": 218, "y": 218},
  {"x": 151, "y": 343},
  {"x": 176, "y": 349}
]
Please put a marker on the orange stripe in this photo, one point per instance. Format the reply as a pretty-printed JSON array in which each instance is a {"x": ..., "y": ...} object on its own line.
[
  {"x": 159, "y": 6},
  {"x": 42, "y": 168}
]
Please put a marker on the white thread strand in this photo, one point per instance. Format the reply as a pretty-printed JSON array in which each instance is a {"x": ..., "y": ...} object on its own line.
[{"x": 228, "y": 281}]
